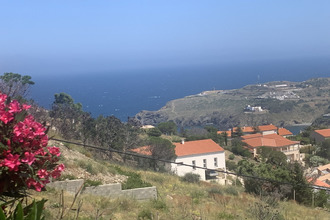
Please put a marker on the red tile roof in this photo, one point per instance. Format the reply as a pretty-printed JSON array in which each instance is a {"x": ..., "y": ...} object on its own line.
[
  {"x": 197, "y": 147},
  {"x": 188, "y": 148},
  {"x": 145, "y": 150},
  {"x": 270, "y": 140},
  {"x": 324, "y": 177},
  {"x": 323, "y": 132},
  {"x": 267, "y": 127},
  {"x": 318, "y": 182},
  {"x": 245, "y": 129},
  {"x": 251, "y": 136},
  {"x": 284, "y": 132},
  {"x": 324, "y": 167}
]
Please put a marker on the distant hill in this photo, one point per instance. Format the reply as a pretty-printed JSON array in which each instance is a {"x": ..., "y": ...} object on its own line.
[{"x": 282, "y": 103}]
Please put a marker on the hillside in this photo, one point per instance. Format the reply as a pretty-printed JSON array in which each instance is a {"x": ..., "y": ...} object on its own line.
[
  {"x": 283, "y": 103},
  {"x": 176, "y": 199}
]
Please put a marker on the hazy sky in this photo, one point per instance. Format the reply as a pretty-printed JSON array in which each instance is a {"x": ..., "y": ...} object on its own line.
[{"x": 61, "y": 37}]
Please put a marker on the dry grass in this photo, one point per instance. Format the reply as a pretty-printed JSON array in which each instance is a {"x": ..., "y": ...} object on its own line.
[{"x": 176, "y": 200}]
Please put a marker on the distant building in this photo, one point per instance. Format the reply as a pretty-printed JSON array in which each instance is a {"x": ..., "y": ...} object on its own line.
[
  {"x": 247, "y": 130},
  {"x": 320, "y": 135},
  {"x": 267, "y": 129},
  {"x": 253, "y": 108},
  {"x": 275, "y": 142},
  {"x": 147, "y": 126},
  {"x": 323, "y": 179},
  {"x": 284, "y": 132},
  {"x": 200, "y": 153}
]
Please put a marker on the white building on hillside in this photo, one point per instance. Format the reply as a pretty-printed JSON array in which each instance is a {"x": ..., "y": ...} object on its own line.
[{"x": 200, "y": 153}]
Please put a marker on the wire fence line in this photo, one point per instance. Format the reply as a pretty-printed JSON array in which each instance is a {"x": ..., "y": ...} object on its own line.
[{"x": 188, "y": 165}]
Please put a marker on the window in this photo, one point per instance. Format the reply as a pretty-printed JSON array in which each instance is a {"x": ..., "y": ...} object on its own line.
[
  {"x": 194, "y": 164},
  {"x": 215, "y": 162},
  {"x": 204, "y": 163}
]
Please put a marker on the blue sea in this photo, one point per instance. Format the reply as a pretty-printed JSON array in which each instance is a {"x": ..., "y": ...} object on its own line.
[{"x": 125, "y": 93}]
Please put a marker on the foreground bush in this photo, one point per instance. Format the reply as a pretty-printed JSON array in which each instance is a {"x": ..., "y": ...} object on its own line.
[
  {"x": 25, "y": 159},
  {"x": 191, "y": 178}
]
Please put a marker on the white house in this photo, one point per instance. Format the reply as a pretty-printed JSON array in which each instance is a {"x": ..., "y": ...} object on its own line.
[{"x": 200, "y": 153}]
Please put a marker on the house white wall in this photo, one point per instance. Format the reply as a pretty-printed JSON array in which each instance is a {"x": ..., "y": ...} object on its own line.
[
  {"x": 269, "y": 132},
  {"x": 198, "y": 158}
]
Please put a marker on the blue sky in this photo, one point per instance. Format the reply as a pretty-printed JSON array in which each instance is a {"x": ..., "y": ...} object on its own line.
[{"x": 70, "y": 37}]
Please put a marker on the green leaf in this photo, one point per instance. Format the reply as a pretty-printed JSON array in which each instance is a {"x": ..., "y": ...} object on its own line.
[
  {"x": 40, "y": 208},
  {"x": 32, "y": 212},
  {"x": 2, "y": 215},
  {"x": 19, "y": 212}
]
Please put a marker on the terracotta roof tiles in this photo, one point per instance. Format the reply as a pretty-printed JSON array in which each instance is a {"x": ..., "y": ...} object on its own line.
[
  {"x": 197, "y": 147},
  {"x": 323, "y": 132},
  {"x": 267, "y": 127},
  {"x": 284, "y": 132},
  {"x": 187, "y": 148},
  {"x": 270, "y": 140}
]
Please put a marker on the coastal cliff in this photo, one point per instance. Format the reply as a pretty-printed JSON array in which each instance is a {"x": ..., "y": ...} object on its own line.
[{"x": 281, "y": 103}]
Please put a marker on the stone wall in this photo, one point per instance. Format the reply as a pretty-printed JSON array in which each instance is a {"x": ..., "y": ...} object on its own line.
[
  {"x": 71, "y": 186},
  {"x": 108, "y": 190}
]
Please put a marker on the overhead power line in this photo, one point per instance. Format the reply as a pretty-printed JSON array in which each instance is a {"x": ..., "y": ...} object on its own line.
[{"x": 188, "y": 165}]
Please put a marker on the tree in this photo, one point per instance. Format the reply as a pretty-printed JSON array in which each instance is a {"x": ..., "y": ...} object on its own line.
[
  {"x": 154, "y": 132},
  {"x": 66, "y": 115},
  {"x": 109, "y": 132},
  {"x": 238, "y": 132},
  {"x": 161, "y": 149},
  {"x": 268, "y": 155},
  {"x": 131, "y": 138},
  {"x": 167, "y": 128},
  {"x": 323, "y": 149},
  {"x": 285, "y": 181},
  {"x": 255, "y": 129},
  {"x": 238, "y": 149},
  {"x": 87, "y": 128},
  {"x": 15, "y": 85}
]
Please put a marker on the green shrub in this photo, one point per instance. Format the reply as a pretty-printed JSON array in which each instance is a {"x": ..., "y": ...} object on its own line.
[
  {"x": 215, "y": 190},
  {"x": 191, "y": 178},
  {"x": 231, "y": 157},
  {"x": 159, "y": 204},
  {"x": 196, "y": 195},
  {"x": 145, "y": 214},
  {"x": 231, "y": 191},
  {"x": 135, "y": 181},
  {"x": 231, "y": 165}
]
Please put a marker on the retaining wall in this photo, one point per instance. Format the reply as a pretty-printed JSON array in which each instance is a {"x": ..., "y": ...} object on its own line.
[{"x": 107, "y": 190}]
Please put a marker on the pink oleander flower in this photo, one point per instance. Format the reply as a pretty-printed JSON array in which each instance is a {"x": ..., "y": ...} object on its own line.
[
  {"x": 26, "y": 107},
  {"x": 12, "y": 162},
  {"x": 54, "y": 151},
  {"x": 14, "y": 107},
  {"x": 3, "y": 98},
  {"x": 29, "y": 158},
  {"x": 6, "y": 117},
  {"x": 57, "y": 171},
  {"x": 25, "y": 157},
  {"x": 31, "y": 182},
  {"x": 43, "y": 174}
]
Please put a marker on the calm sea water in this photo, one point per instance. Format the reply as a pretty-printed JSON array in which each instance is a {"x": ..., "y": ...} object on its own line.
[{"x": 124, "y": 94}]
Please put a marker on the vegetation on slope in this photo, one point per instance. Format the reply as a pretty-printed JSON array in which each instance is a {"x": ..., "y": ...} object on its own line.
[{"x": 293, "y": 104}]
